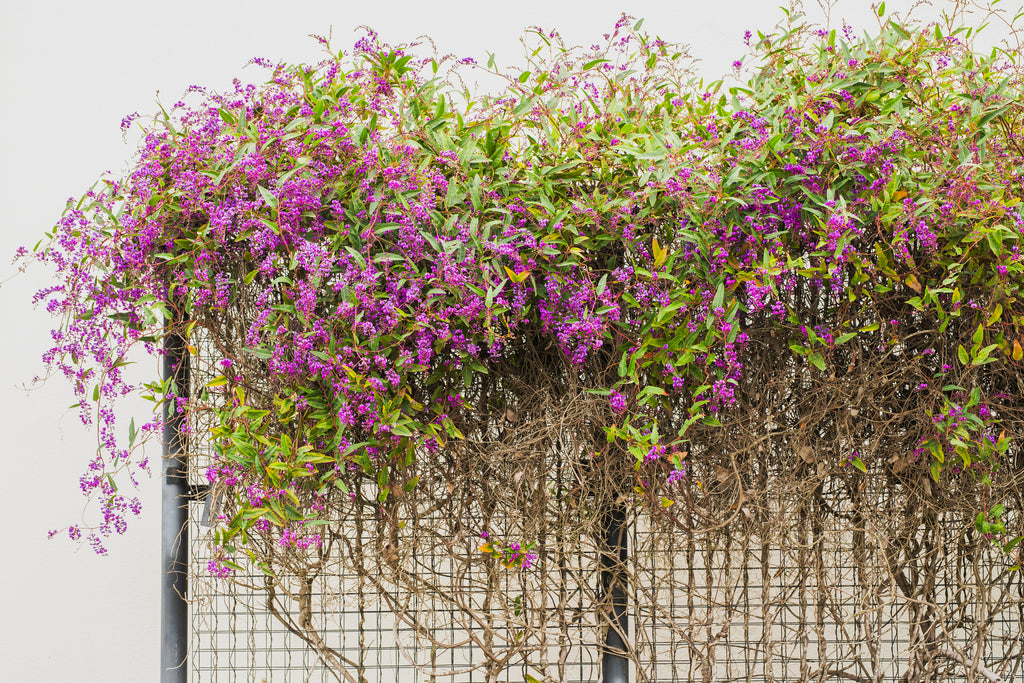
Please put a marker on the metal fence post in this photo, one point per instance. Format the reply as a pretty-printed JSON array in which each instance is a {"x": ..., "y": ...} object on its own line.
[
  {"x": 174, "y": 521},
  {"x": 615, "y": 666}
]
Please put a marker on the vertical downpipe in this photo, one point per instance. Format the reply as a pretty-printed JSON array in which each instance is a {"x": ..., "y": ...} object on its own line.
[
  {"x": 174, "y": 520},
  {"x": 615, "y": 666}
]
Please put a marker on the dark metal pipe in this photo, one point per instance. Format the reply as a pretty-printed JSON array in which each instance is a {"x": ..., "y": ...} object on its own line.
[
  {"x": 614, "y": 664},
  {"x": 174, "y": 521}
]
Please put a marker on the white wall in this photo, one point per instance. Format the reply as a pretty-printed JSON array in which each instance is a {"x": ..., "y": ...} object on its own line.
[{"x": 70, "y": 71}]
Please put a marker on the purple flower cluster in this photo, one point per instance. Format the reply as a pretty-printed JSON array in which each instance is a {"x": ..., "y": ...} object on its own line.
[{"x": 360, "y": 252}]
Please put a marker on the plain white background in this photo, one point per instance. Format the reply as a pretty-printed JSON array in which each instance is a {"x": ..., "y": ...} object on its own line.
[{"x": 70, "y": 71}]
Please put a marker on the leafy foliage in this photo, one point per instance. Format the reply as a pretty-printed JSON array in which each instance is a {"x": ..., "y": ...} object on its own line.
[{"x": 380, "y": 262}]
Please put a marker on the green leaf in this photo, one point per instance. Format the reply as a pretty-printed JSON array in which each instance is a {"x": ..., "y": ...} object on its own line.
[
  {"x": 524, "y": 106},
  {"x": 817, "y": 360},
  {"x": 268, "y": 197},
  {"x": 859, "y": 464},
  {"x": 474, "y": 192},
  {"x": 974, "y": 398},
  {"x": 262, "y": 354},
  {"x": 400, "y": 429},
  {"x": 982, "y": 356},
  {"x": 961, "y": 353},
  {"x": 719, "y": 296},
  {"x": 651, "y": 390}
]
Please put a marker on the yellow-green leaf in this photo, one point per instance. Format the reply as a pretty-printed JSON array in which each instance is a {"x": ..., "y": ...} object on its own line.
[
  {"x": 961, "y": 353},
  {"x": 516, "y": 277},
  {"x": 996, "y": 314},
  {"x": 659, "y": 252}
]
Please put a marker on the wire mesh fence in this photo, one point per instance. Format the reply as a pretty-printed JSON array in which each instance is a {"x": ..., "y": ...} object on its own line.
[
  {"x": 788, "y": 568},
  {"x": 730, "y": 609},
  {"x": 255, "y": 628}
]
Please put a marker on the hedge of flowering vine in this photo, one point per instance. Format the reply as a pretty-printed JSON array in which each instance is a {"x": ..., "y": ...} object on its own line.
[{"x": 361, "y": 245}]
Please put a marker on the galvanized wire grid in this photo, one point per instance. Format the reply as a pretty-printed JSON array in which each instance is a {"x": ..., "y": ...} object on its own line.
[
  {"x": 745, "y": 612},
  {"x": 823, "y": 583},
  {"x": 731, "y": 610},
  {"x": 235, "y": 637}
]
